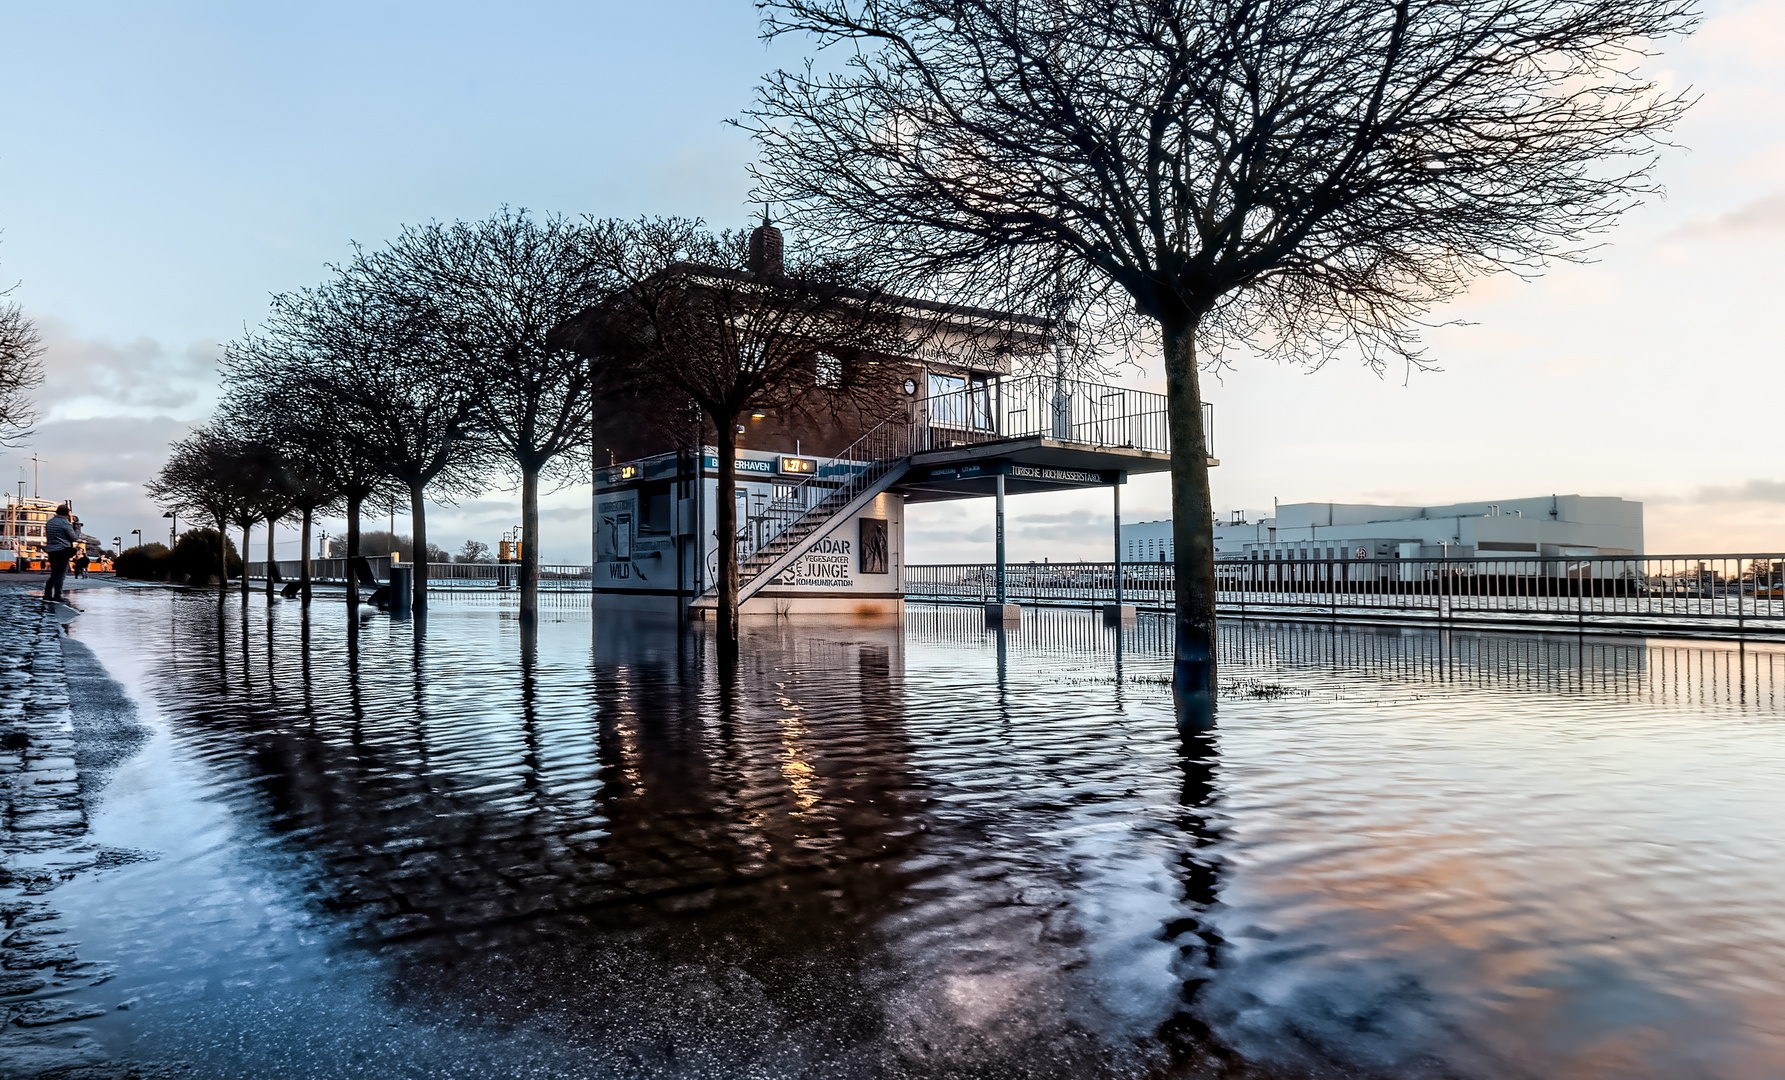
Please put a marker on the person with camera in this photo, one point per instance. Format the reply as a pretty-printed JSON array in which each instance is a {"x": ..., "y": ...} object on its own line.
[{"x": 60, "y": 537}]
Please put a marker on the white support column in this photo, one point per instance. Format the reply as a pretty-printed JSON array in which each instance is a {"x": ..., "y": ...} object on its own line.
[
  {"x": 1118, "y": 613},
  {"x": 1001, "y": 613}
]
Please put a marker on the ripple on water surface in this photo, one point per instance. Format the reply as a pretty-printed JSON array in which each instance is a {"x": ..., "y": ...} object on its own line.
[{"x": 932, "y": 850}]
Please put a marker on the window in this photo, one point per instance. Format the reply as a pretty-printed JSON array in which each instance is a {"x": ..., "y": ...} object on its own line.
[
  {"x": 948, "y": 401},
  {"x": 959, "y": 402},
  {"x": 828, "y": 369}
]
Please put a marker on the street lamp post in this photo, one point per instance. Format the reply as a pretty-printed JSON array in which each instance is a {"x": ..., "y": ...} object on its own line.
[{"x": 173, "y": 531}]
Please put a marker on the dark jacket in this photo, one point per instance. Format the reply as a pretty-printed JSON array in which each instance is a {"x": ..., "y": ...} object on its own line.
[{"x": 60, "y": 534}]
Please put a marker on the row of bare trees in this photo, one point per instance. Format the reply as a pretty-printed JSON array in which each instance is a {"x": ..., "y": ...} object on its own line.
[
  {"x": 460, "y": 353},
  {"x": 423, "y": 368}
]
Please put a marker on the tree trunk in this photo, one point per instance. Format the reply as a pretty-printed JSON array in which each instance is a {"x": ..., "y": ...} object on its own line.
[
  {"x": 726, "y": 533},
  {"x": 529, "y": 543},
  {"x": 272, "y": 567},
  {"x": 247, "y": 535},
  {"x": 418, "y": 527},
  {"x": 304, "y": 558},
  {"x": 353, "y": 507},
  {"x": 1192, "y": 531},
  {"x": 223, "y": 555}
]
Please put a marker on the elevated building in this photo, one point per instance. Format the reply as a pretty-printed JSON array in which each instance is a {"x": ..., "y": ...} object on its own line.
[{"x": 821, "y": 491}]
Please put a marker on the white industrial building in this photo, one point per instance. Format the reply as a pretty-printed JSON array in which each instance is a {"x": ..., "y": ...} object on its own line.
[
  {"x": 1547, "y": 526},
  {"x": 1150, "y": 541}
]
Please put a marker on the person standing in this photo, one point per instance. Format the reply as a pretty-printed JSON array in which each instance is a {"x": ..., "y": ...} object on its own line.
[{"x": 59, "y": 539}]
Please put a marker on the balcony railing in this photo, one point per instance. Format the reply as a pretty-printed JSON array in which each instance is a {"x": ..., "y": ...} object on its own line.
[{"x": 1066, "y": 410}]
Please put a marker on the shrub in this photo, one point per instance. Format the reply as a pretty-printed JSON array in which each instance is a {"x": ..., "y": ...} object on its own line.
[
  {"x": 147, "y": 562},
  {"x": 194, "y": 557}
]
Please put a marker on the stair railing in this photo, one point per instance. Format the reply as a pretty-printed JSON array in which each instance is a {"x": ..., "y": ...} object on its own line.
[{"x": 859, "y": 464}]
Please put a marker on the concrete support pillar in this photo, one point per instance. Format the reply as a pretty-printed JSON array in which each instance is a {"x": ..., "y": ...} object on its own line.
[
  {"x": 1001, "y": 613},
  {"x": 1117, "y": 613},
  {"x": 1000, "y": 536}
]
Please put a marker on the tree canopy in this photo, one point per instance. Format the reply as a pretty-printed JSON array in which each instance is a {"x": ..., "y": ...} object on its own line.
[{"x": 1299, "y": 176}]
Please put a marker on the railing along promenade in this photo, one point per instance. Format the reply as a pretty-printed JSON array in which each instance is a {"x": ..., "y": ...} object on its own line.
[
  {"x": 471, "y": 577},
  {"x": 1612, "y": 594}
]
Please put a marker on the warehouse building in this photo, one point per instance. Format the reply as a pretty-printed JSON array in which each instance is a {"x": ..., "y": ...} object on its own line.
[{"x": 1545, "y": 526}]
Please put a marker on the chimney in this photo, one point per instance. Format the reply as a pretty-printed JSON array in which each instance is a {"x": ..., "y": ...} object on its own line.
[{"x": 765, "y": 249}]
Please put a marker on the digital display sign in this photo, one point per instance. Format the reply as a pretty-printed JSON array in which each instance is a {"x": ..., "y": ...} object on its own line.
[{"x": 799, "y": 465}]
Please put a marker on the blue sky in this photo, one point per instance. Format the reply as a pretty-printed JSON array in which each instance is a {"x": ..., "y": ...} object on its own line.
[{"x": 165, "y": 167}]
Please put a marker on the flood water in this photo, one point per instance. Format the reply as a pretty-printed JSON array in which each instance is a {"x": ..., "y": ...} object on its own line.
[{"x": 930, "y": 850}]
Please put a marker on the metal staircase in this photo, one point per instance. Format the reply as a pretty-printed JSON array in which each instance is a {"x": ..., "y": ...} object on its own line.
[
  {"x": 872, "y": 464},
  {"x": 1050, "y": 407}
]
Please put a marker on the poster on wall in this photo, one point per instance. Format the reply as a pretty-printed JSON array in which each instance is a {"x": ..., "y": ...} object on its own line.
[
  {"x": 613, "y": 535},
  {"x": 871, "y": 546}
]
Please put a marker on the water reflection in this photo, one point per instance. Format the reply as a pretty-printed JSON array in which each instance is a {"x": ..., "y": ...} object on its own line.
[{"x": 926, "y": 849}]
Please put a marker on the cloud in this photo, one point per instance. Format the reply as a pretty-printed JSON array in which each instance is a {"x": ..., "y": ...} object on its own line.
[
  {"x": 87, "y": 378},
  {"x": 99, "y": 465},
  {"x": 1072, "y": 517},
  {"x": 1762, "y": 491},
  {"x": 979, "y": 537},
  {"x": 1753, "y": 34},
  {"x": 1760, "y": 215}
]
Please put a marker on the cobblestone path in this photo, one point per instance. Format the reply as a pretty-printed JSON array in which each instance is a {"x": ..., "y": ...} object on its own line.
[{"x": 46, "y": 985}]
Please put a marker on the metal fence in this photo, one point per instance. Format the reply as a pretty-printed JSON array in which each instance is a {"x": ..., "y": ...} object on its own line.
[
  {"x": 486, "y": 577},
  {"x": 322, "y": 571},
  {"x": 1640, "y": 593}
]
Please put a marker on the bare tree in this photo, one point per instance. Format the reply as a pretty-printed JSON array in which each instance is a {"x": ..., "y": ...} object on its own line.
[
  {"x": 285, "y": 390},
  {"x": 304, "y": 456},
  {"x": 400, "y": 400},
  {"x": 262, "y": 498},
  {"x": 1295, "y": 175},
  {"x": 300, "y": 370},
  {"x": 21, "y": 371},
  {"x": 724, "y": 321},
  {"x": 499, "y": 288},
  {"x": 206, "y": 475},
  {"x": 272, "y": 505}
]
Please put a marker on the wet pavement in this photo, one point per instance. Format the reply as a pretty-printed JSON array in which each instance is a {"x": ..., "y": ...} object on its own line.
[
  {"x": 51, "y": 770},
  {"x": 349, "y": 848}
]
